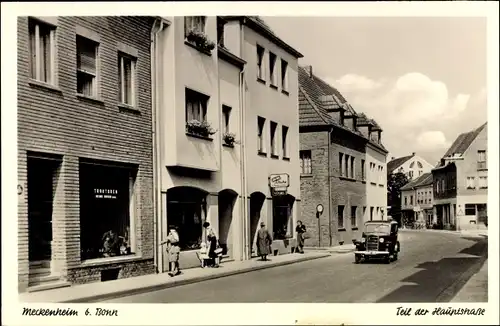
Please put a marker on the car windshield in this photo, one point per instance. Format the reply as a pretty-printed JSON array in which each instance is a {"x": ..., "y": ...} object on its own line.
[{"x": 380, "y": 228}]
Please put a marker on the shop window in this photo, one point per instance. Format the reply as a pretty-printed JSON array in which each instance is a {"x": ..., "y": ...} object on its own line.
[
  {"x": 107, "y": 209},
  {"x": 42, "y": 51},
  {"x": 470, "y": 209},
  {"x": 186, "y": 210},
  {"x": 282, "y": 217}
]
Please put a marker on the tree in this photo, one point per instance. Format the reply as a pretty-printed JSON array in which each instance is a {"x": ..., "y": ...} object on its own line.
[{"x": 394, "y": 183}]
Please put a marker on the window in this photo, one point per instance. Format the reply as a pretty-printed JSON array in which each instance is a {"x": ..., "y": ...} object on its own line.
[
  {"x": 412, "y": 165},
  {"x": 196, "y": 106},
  {"x": 86, "y": 67},
  {"x": 226, "y": 113},
  {"x": 305, "y": 162},
  {"x": 352, "y": 168},
  {"x": 420, "y": 172},
  {"x": 220, "y": 32},
  {"x": 353, "y": 216},
  {"x": 438, "y": 188},
  {"x": 481, "y": 156},
  {"x": 274, "y": 147},
  {"x": 42, "y": 51},
  {"x": 126, "y": 79},
  {"x": 260, "y": 134},
  {"x": 284, "y": 75},
  {"x": 410, "y": 174},
  {"x": 340, "y": 212},
  {"x": 194, "y": 23},
  {"x": 471, "y": 183},
  {"x": 284, "y": 145},
  {"x": 420, "y": 166},
  {"x": 107, "y": 209},
  {"x": 406, "y": 201},
  {"x": 260, "y": 62},
  {"x": 346, "y": 170},
  {"x": 470, "y": 209},
  {"x": 341, "y": 164},
  {"x": 272, "y": 69},
  {"x": 364, "y": 211},
  {"x": 411, "y": 200},
  {"x": 371, "y": 213},
  {"x": 282, "y": 213},
  {"x": 483, "y": 182},
  {"x": 363, "y": 177}
]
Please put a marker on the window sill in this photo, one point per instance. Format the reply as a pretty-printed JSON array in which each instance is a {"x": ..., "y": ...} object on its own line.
[
  {"x": 470, "y": 188},
  {"x": 483, "y": 187},
  {"x": 128, "y": 108},
  {"x": 89, "y": 99},
  {"x": 199, "y": 136},
  {"x": 227, "y": 145},
  {"x": 260, "y": 80},
  {"x": 373, "y": 183},
  {"x": 285, "y": 92},
  {"x": 273, "y": 86},
  {"x": 209, "y": 53},
  {"x": 380, "y": 185},
  {"x": 354, "y": 228},
  {"x": 286, "y": 158},
  {"x": 342, "y": 229},
  {"x": 363, "y": 181},
  {"x": 110, "y": 260},
  {"x": 306, "y": 175},
  {"x": 262, "y": 153},
  {"x": 274, "y": 156},
  {"x": 347, "y": 179},
  {"x": 43, "y": 85}
]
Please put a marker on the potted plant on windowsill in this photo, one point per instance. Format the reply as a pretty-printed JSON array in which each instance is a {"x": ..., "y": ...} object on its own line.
[
  {"x": 200, "y": 128},
  {"x": 229, "y": 139},
  {"x": 200, "y": 40}
]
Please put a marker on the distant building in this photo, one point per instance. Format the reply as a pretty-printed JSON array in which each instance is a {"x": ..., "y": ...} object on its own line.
[
  {"x": 343, "y": 164},
  {"x": 413, "y": 166},
  {"x": 417, "y": 199},
  {"x": 461, "y": 182}
]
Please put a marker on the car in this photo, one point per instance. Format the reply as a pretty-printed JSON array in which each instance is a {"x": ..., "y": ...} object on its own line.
[{"x": 379, "y": 240}]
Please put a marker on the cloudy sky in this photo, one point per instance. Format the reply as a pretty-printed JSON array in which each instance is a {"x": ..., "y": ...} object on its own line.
[{"x": 423, "y": 79}]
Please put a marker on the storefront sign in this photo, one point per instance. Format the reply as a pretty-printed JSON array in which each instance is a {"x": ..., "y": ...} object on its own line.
[
  {"x": 281, "y": 180},
  {"x": 105, "y": 193}
]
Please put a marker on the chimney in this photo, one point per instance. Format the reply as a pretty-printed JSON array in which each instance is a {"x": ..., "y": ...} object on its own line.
[
  {"x": 309, "y": 70},
  {"x": 393, "y": 158},
  {"x": 413, "y": 154}
]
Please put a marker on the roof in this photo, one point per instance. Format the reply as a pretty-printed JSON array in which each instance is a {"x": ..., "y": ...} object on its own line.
[
  {"x": 363, "y": 120},
  {"x": 423, "y": 180},
  {"x": 316, "y": 98},
  {"x": 397, "y": 162},
  {"x": 259, "y": 26},
  {"x": 463, "y": 141}
]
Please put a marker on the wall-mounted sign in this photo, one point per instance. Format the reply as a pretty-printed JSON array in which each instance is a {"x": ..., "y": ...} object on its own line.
[
  {"x": 105, "y": 193},
  {"x": 281, "y": 180}
]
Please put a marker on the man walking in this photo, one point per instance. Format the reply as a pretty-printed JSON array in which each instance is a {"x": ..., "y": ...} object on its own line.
[{"x": 264, "y": 241}]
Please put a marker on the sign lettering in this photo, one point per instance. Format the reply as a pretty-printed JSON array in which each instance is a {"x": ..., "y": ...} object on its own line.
[
  {"x": 281, "y": 180},
  {"x": 105, "y": 193}
]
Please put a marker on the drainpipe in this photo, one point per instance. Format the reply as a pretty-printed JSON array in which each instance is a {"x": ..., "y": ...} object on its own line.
[
  {"x": 329, "y": 190},
  {"x": 155, "y": 136}
]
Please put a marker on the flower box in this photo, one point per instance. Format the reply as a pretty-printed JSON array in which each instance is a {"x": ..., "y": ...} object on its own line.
[
  {"x": 200, "y": 128},
  {"x": 200, "y": 40},
  {"x": 229, "y": 139}
]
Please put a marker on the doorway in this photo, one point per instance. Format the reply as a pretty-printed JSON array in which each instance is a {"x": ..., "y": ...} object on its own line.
[
  {"x": 227, "y": 200},
  {"x": 42, "y": 183},
  {"x": 256, "y": 202}
]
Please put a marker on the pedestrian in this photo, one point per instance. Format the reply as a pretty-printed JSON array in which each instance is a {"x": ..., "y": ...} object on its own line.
[
  {"x": 213, "y": 252},
  {"x": 301, "y": 236},
  {"x": 264, "y": 241},
  {"x": 173, "y": 250}
]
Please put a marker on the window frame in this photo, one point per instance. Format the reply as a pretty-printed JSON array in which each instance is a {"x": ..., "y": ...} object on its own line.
[
  {"x": 354, "y": 216},
  {"x": 483, "y": 185},
  {"x": 194, "y": 97},
  {"x": 35, "y": 63},
  {"x": 261, "y": 127},
  {"x": 96, "y": 75},
  {"x": 122, "y": 56},
  {"x": 272, "y": 69},
  {"x": 363, "y": 172},
  {"x": 305, "y": 158},
  {"x": 226, "y": 115},
  {"x": 340, "y": 216},
  {"x": 284, "y": 141},
  {"x": 284, "y": 75},
  {"x": 191, "y": 25},
  {"x": 273, "y": 127},
  {"x": 261, "y": 52}
]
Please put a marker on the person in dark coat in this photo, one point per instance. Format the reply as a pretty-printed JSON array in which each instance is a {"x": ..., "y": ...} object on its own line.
[
  {"x": 264, "y": 241},
  {"x": 173, "y": 250},
  {"x": 212, "y": 244},
  {"x": 300, "y": 229}
]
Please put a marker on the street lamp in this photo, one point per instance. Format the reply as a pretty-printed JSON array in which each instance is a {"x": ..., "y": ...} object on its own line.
[{"x": 319, "y": 211}]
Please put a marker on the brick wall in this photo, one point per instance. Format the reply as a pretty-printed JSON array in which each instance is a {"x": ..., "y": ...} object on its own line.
[{"x": 54, "y": 120}]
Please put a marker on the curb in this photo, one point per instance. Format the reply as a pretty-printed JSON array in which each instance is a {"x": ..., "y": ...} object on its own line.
[
  {"x": 331, "y": 251},
  {"x": 156, "y": 287}
]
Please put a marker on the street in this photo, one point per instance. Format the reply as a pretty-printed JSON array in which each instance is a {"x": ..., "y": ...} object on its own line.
[{"x": 432, "y": 267}]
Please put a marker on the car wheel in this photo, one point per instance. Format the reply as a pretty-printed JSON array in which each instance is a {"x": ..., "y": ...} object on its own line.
[
  {"x": 357, "y": 259},
  {"x": 387, "y": 259},
  {"x": 395, "y": 256}
]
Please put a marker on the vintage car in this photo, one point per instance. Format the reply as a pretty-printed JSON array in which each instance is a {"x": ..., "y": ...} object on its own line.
[{"x": 379, "y": 240}]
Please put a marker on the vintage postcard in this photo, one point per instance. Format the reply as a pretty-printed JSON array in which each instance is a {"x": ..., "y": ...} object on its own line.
[{"x": 250, "y": 163}]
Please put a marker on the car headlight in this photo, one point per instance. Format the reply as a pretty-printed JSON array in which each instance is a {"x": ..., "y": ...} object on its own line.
[
  {"x": 363, "y": 240},
  {"x": 381, "y": 240}
]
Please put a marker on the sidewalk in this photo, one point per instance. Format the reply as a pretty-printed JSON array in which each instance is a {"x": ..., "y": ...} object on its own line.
[
  {"x": 346, "y": 248},
  {"x": 472, "y": 232},
  {"x": 94, "y": 292},
  {"x": 476, "y": 289}
]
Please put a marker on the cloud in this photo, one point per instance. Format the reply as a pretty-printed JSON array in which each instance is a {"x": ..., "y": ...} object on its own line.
[{"x": 417, "y": 113}]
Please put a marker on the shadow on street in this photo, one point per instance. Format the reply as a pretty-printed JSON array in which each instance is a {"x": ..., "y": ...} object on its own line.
[{"x": 440, "y": 281}]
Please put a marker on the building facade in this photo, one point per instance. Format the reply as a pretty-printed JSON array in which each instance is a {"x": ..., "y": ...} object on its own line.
[
  {"x": 417, "y": 200},
  {"x": 466, "y": 160},
  {"x": 413, "y": 166},
  {"x": 223, "y": 132},
  {"x": 85, "y": 166},
  {"x": 334, "y": 141}
]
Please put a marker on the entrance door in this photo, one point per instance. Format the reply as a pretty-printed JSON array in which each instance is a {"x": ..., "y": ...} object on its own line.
[{"x": 41, "y": 189}]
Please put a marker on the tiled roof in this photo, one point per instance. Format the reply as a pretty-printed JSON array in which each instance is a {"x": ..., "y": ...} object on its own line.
[
  {"x": 463, "y": 141},
  {"x": 424, "y": 180},
  {"x": 394, "y": 164},
  {"x": 315, "y": 98},
  {"x": 363, "y": 120}
]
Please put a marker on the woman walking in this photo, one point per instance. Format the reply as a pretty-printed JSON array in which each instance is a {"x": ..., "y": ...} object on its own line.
[
  {"x": 212, "y": 244},
  {"x": 173, "y": 250},
  {"x": 264, "y": 241},
  {"x": 301, "y": 230}
]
